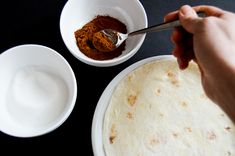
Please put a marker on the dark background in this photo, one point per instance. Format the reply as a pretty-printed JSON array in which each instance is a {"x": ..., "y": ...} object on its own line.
[{"x": 37, "y": 22}]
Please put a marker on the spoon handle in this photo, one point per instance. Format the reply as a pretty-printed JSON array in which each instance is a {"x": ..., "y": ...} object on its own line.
[{"x": 161, "y": 26}]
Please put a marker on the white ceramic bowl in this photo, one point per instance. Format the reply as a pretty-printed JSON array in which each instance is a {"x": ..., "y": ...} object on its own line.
[
  {"x": 38, "y": 90},
  {"x": 98, "y": 118},
  {"x": 76, "y": 13}
]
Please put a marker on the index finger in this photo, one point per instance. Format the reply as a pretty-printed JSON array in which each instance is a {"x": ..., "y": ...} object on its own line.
[{"x": 171, "y": 16}]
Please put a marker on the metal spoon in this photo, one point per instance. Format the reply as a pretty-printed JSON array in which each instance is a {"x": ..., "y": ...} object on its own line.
[{"x": 117, "y": 38}]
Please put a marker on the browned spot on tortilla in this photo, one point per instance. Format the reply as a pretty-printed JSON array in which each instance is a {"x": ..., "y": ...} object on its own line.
[
  {"x": 175, "y": 82},
  {"x": 228, "y": 128},
  {"x": 188, "y": 129},
  {"x": 175, "y": 135},
  {"x": 113, "y": 134},
  {"x": 184, "y": 104},
  {"x": 154, "y": 141},
  {"x": 211, "y": 135},
  {"x": 173, "y": 78},
  {"x": 131, "y": 100},
  {"x": 157, "y": 92},
  {"x": 161, "y": 115},
  {"x": 129, "y": 115},
  {"x": 203, "y": 96},
  {"x": 222, "y": 115},
  {"x": 171, "y": 74},
  {"x": 130, "y": 77},
  {"x": 111, "y": 139}
]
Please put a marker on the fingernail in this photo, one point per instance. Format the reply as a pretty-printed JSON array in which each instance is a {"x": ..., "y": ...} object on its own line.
[
  {"x": 182, "y": 63},
  {"x": 164, "y": 19}
]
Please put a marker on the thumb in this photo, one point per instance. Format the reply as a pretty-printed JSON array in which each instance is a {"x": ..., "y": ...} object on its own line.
[{"x": 189, "y": 18}]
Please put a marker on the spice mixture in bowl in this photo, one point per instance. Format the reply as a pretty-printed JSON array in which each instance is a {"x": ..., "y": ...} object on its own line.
[
  {"x": 80, "y": 15},
  {"x": 88, "y": 38}
]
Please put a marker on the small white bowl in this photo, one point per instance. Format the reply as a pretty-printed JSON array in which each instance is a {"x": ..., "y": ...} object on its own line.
[
  {"x": 76, "y": 13},
  {"x": 38, "y": 90}
]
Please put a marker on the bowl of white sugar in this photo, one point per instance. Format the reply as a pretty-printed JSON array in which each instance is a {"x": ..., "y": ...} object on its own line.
[{"x": 38, "y": 90}]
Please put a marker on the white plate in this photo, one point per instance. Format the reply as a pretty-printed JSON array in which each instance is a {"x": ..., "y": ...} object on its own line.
[{"x": 97, "y": 124}]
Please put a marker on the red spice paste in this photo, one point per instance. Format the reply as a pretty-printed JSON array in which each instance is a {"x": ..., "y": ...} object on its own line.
[{"x": 84, "y": 37}]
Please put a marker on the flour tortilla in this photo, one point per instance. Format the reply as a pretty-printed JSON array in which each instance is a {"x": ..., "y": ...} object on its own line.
[{"x": 159, "y": 110}]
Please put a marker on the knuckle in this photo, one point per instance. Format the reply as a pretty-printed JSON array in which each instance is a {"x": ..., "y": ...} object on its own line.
[{"x": 208, "y": 22}]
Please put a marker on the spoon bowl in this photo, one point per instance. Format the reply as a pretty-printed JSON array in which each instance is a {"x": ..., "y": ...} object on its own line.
[{"x": 108, "y": 40}]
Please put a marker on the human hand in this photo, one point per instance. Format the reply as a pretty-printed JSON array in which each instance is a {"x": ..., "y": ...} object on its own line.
[{"x": 210, "y": 42}]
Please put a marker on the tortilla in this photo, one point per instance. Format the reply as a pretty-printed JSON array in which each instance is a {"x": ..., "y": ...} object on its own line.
[{"x": 159, "y": 110}]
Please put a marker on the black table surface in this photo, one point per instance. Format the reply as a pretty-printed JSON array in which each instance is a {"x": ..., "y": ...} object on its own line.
[{"x": 37, "y": 22}]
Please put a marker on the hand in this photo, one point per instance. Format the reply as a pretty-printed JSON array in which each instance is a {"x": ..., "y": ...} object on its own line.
[{"x": 210, "y": 42}]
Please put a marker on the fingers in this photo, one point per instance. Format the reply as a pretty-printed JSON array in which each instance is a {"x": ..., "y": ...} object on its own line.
[
  {"x": 184, "y": 59},
  {"x": 208, "y": 10},
  {"x": 182, "y": 41},
  {"x": 183, "y": 49},
  {"x": 177, "y": 35},
  {"x": 188, "y": 16},
  {"x": 191, "y": 24},
  {"x": 171, "y": 16},
  {"x": 183, "y": 63},
  {"x": 177, "y": 38},
  {"x": 189, "y": 19}
]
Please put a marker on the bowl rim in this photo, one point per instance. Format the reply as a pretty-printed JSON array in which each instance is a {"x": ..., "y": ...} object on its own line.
[
  {"x": 103, "y": 102},
  {"x": 104, "y": 63},
  {"x": 69, "y": 110}
]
